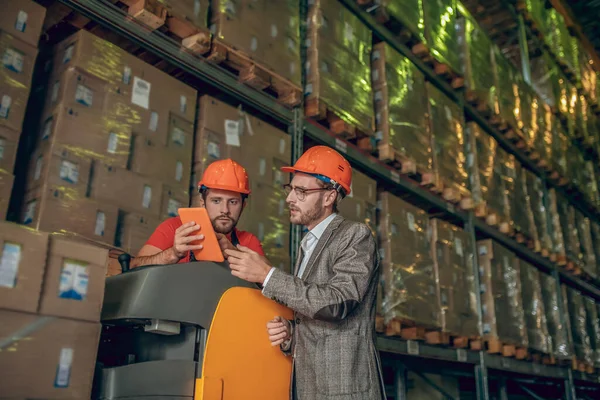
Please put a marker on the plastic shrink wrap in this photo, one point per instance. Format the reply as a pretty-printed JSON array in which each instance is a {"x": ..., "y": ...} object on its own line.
[
  {"x": 534, "y": 308},
  {"x": 578, "y": 317},
  {"x": 561, "y": 346}
]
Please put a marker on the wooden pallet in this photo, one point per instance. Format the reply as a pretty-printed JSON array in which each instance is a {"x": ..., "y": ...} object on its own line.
[
  {"x": 442, "y": 70},
  {"x": 455, "y": 196},
  {"x": 318, "y": 110},
  {"x": 405, "y": 165},
  {"x": 557, "y": 179},
  {"x": 480, "y": 104},
  {"x": 492, "y": 218},
  {"x": 407, "y": 329},
  {"x": 494, "y": 345},
  {"x": 252, "y": 73},
  {"x": 582, "y": 366},
  {"x": 401, "y": 32}
]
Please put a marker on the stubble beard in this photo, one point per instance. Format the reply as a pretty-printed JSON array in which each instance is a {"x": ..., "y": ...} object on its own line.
[
  {"x": 220, "y": 228},
  {"x": 305, "y": 218}
]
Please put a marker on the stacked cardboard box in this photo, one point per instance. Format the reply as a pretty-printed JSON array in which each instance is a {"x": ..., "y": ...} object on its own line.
[
  {"x": 20, "y": 29},
  {"x": 508, "y": 88},
  {"x": 114, "y": 154},
  {"x": 400, "y": 109},
  {"x": 570, "y": 234},
  {"x": 449, "y": 143},
  {"x": 266, "y": 31},
  {"x": 408, "y": 12},
  {"x": 442, "y": 31},
  {"x": 223, "y": 132},
  {"x": 338, "y": 71},
  {"x": 453, "y": 259},
  {"x": 535, "y": 189},
  {"x": 361, "y": 204},
  {"x": 593, "y": 329},
  {"x": 51, "y": 293},
  {"x": 595, "y": 229},
  {"x": 408, "y": 271},
  {"x": 584, "y": 232},
  {"x": 558, "y": 240},
  {"x": 503, "y": 314},
  {"x": 521, "y": 214},
  {"x": 560, "y": 343},
  {"x": 578, "y": 322},
  {"x": 533, "y": 306}
]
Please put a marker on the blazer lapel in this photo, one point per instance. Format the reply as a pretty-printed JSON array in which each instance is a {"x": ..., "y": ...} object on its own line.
[{"x": 321, "y": 244}]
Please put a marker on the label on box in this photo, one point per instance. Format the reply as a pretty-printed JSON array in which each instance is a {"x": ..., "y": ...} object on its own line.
[
  {"x": 229, "y": 7},
  {"x": 47, "y": 129},
  {"x": 458, "y": 246},
  {"x": 29, "y": 212},
  {"x": 292, "y": 67},
  {"x": 232, "y": 132},
  {"x": 378, "y": 95},
  {"x": 113, "y": 143},
  {"x": 74, "y": 280},
  {"x": 291, "y": 44},
  {"x": 448, "y": 113},
  {"x": 375, "y": 75},
  {"x": 394, "y": 229},
  {"x": 5, "y": 106},
  {"x": 63, "y": 370},
  {"x": 281, "y": 146},
  {"x": 39, "y": 163},
  {"x": 140, "y": 95},
  {"x": 281, "y": 207},
  {"x": 178, "y": 136},
  {"x": 410, "y": 218},
  {"x": 179, "y": 171},
  {"x": 55, "y": 89},
  {"x": 273, "y": 30},
  {"x": 172, "y": 207},
  {"x": 487, "y": 328},
  {"x": 69, "y": 171},
  {"x": 348, "y": 32},
  {"x": 470, "y": 159},
  {"x": 127, "y": 75},
  {"x": 100, "y": 223},
  {"x": 84, "y": 95},
  {"x": 13, "y": 60},
  {"x": 153, "y": 124},
  {"x": 254, "y": 43},
  {"x": 21, "y": 22},
  {"x": 9, "y": 264},
  {"x": 482, "y": 250},
  {"x": 2, "y": 148},
  {"x": 182, "y": 104},
  {"x": 147, "y": 197},
  {"x": 197, "y": 8},
  {"x": 308, "y": 89},
  {"x": 261, "y": 231},
  {"x": 68, "y": 53},
  {"x": 375, "y": 55},
  {"x": 262, "y": 167},
  {"x": 213, "y": 150}
]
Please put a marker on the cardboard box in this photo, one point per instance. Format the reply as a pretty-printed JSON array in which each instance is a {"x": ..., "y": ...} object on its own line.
[
  {"x": 18, "y": 59},
  {"x": 57, "y": 165},
  {"x": 74, "y": 281},
  {"x": 97, "y": 137},
  {"x": 9, "y": 144},
  {"x": 52, "y": 209},
  {"x": 126, "y": 190},
  {"x": 361, "y": 204},
  {"x": 172, "y": 199},
  {"x": 23, "y": 19},
  {"x": 6, "y": 185},
  {"x": 23, "y": 253},
  {"x": 54, "y": 361},
  {"x": 134, "y": 230}
]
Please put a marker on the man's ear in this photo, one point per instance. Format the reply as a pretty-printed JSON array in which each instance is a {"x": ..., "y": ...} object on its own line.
[{"x": 330, "y": 198}]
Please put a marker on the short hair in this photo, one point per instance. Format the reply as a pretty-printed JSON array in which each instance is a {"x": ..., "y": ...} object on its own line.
[
  {"x": 339, "y": 195},
  {"x": 204, "y": 192}
]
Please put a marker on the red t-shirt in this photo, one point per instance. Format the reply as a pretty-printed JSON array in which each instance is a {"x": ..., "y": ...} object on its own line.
[{"x": 164, "y": 236}]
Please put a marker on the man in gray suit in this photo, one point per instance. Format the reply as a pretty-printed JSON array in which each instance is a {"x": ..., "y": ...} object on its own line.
[{"x": 333, "y": 290}]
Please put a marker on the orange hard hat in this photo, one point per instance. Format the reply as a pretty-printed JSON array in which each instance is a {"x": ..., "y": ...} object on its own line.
[
  {"x": 325, "y": 164},
  {"x": 226, "y": 175}
]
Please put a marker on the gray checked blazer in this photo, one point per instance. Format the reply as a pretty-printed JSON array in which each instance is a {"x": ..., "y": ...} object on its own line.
[{"x": 333, "y": 342}]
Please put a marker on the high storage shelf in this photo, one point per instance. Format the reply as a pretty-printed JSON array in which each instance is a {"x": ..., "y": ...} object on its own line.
[{"x": 106, "y": 14}]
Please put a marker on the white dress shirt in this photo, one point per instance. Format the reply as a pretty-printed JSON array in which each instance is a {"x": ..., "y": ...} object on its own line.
[{"x": 308, "y": 245}]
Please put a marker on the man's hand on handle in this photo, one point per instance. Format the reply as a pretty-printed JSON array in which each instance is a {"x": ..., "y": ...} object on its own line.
[
  {"x": 280, "y": 331},
  {"x": 183, "y": 236}
]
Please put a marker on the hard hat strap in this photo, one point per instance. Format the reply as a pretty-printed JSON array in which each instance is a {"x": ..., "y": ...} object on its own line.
[{"x": 336, "y": 186}]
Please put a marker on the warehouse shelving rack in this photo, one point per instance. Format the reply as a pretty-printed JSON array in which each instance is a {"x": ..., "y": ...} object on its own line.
[{"x": 484, "y": 368}]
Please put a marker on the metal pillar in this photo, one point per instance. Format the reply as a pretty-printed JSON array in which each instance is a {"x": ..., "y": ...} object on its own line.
[
  {"x": 570, "y": 392},
  {"x": 525, "y": 65},
  {"x": 400, "y": 382},
  {"x": 502, "y": 392},
  {"x": 297, "y": 150}
]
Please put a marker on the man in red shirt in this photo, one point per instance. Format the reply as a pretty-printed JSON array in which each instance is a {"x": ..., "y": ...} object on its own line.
[{"x": 224, "y": 189}]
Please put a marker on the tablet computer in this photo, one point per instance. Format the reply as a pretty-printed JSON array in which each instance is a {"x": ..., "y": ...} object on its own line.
[{"x": 211, "y": 250}]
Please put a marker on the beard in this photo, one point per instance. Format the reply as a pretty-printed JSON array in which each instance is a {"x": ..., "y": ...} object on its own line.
[
  {"x": 223, "y": 224},
  {"x": 308, "y": 216}
]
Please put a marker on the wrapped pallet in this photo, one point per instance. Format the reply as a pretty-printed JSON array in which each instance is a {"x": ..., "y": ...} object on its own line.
[
  {"x": 503, "y": 314},
  {"x": 409, "y": 13},
  {"x": 544, "y": 143},
  {"x": 568, "y": 223},
  {"x": 338, "y": 71},
  {"x": 409, "y": 285},
  {"x": 449, "y": 146},
  {"x": 533, "y": 306},
  {"x": 560, "y": 148},
  {"x": 593, "y": 329},
  {"x": 595, "y": 229},
  {"x": 578, "y": 318},
  {"x": 536, "y": 10},
  {"x": 441, "y": 31},
  {"x": 508, "y": 88},
  {"x": 509, "y": 176},
  {"x": 224, "y": 131},
  {"x": 361, "y": 204},
  {"x": 588, "y": 75},
  {"x": 558, "y": 241},
  {"x": 545, "y": 77},
  {"x": 266, "y": 31},
  {"x": 477, "y": 61},
  {"x": 561, "y": 346},
  {"x": 453, "y": 258},
  {"x": 522, "y": 214},
  {"x": 535, "y": 189},
  {"x": 584, "y": 232},
  {"x": 400, "y": 110}
]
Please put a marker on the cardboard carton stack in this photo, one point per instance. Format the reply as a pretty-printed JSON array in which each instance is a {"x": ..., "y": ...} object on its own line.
[
  {"x": 578, "y": 322},
  {"x": 453, "y": 257},
  {"x": 113, "y": 157},
  {"x": 533, "y": 306},
  {"x": 535, "y": 190},
  {"x": 361, "y": 204},
  {"x": 51, "y": 293},
  {"x": 223, "y": 132},
  {"x": 561, "y": 346},
  {"x": 503, "y": 314},
  {"x": 442, "y": 32},
  {"x": 408, "y": 270},
  {"x": 21, "y": 24},
  {"x": 593, "y": 329}
]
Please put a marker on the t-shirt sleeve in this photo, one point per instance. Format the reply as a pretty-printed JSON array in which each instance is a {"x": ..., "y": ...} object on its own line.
[{"x": 163, "y": 236}]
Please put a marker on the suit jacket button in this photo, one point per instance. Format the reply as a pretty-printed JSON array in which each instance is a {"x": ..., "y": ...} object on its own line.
[{"x": 297, "y": 321}]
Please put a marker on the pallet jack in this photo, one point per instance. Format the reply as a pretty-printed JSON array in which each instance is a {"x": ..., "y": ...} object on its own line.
[{"x": 187, "y": 331}]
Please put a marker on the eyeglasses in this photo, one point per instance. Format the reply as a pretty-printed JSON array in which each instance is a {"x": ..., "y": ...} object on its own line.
[{"x": 301, "y": 192}]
